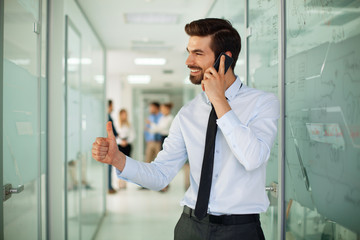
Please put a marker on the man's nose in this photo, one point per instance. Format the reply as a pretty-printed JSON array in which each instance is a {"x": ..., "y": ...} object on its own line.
[{"x": 189, "y": 60}]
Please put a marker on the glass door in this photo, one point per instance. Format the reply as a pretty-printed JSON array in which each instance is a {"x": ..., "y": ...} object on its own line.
[
  {"x": 73, "y": 163},
  {"x": 23, "y": 132}
]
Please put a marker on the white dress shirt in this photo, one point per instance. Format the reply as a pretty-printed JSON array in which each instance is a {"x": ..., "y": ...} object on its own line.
[
  {"x": 244, "y": 138},
  {"x": 163, "y": 126}
]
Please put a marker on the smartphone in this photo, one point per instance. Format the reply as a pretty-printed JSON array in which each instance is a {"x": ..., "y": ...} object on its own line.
[{"x": 228, "y": 62}]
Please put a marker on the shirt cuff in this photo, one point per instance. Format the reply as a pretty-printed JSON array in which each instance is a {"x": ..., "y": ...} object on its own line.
[
  {"x": 130, "y": 169},
  {"x": 228, "y": 122}
]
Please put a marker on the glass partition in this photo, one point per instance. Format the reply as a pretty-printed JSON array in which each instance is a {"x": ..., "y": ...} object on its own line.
[
  {"x": 73, "y": 162},
  {"x": 263, "y": 74},
  {"x": 92, "y": 124},
  {"x": 85, "y": 120},
  {"x": 322, "y": 120}
]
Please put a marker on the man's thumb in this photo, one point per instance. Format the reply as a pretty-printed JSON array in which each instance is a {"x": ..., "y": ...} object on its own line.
[{"x": 109, "y": 130}]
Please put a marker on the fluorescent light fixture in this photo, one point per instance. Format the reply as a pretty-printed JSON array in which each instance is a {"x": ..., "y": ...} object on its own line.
[
  {"x": 99, "y": 79},
  {"x": 139, "y": 79},
  {"x": 75, "y": 61},
  {"x": 150, "y": 61},
  {"x": 151, "y": 18}
]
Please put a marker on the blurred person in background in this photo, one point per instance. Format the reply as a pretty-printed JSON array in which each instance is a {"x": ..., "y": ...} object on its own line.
[
  {"x": 163, "y": 126},
  {"x": 153, "y": 140},
  {"x": 111, "y": 190},
  {"x": 126, "y": 136}
]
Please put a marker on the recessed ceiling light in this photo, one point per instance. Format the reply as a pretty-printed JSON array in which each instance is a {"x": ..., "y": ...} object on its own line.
[
  {"x": 75, "y": 61},
  {"x": 139, "y": 79},
  {"x": 150, "y": 61},
  {"x": 151, "y": 18},
  {"x": 99, "y": 79}
]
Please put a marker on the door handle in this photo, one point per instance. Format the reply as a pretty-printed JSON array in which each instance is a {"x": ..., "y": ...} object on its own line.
[
  {"x": 273, "y": 189},
  {"x": 8, "y": 190}
]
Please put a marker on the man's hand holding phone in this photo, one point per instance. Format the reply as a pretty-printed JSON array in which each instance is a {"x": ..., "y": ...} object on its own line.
[{"x": 214, "y": 84}]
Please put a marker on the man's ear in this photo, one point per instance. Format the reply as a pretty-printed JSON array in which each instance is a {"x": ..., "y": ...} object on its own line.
[{"x": 228, "y": 53}]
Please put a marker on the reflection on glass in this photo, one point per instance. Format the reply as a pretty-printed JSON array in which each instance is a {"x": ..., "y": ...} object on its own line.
[
  {"x": 73, "y": 132},
  {"x": 263, "y": 74},
  {"x": 85, "y": 121},
  {"x": 92, "y": 124},
  {"x": 322, "y": 122}
]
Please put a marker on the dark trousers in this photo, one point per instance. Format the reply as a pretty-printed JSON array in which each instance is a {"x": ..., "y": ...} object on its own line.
[
  {"x": 109, "y": 177},
  {"x": 190, "y": 228},
  {"x": 125, "y": 150}
]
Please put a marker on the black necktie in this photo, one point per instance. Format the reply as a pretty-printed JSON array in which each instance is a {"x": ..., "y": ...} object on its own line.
[{"x": 207, "y": 168}]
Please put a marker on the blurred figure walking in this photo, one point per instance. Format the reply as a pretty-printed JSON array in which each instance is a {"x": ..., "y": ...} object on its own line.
[
  {"x": 125, "y": 138},
  {"x": 111, "y": 190}
]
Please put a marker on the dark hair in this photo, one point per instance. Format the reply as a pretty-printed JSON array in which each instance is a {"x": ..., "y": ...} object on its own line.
[
  {"x": 109, "y": 103},
  {"x": 156, "y": 104},
  {"x": 169, "y": 105},
  {"x": 224, "y": 35}
]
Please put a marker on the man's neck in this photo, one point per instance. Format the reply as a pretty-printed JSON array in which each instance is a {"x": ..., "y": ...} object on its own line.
[{"x": 230, "y": 80}]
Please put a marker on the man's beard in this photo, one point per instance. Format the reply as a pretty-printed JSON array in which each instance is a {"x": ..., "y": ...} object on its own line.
[{"x": 197, "y": 79}]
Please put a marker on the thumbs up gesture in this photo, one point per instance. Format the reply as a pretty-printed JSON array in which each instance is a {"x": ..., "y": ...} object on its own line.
[{"x": 105, "y": 150}]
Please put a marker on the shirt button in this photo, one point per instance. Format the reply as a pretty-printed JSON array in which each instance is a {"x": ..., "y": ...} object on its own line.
[{"x": 217, "y": 151}]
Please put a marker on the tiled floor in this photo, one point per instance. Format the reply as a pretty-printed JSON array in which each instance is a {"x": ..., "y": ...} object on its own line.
[{"x": 135, "y": 214}]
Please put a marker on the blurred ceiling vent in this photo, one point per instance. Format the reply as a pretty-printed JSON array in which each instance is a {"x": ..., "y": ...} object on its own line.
[
  {"x": 149, "y": 45},
  {"x": 151, "y": 18},
  {"x": 168, "y": 71}
]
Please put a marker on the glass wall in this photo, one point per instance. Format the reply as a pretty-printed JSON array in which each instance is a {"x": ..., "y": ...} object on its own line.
[
  {"x": 322, "y": 120},
  {"x": 263, "y": 74},
  {"x": 85, "y": 120}
]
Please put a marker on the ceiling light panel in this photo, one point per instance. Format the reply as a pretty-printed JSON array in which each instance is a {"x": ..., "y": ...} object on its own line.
[
  {"x": 139, "y": 79},
  {"x": 150, "y": 61},
  {"x": 151, "y": 18}
]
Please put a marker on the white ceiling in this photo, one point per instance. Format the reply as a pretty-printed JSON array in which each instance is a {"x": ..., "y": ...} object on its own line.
[{"x": 126, "y": 41}]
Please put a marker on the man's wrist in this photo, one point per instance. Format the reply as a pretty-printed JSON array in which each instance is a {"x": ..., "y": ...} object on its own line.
[
  {"x": 119, "y": 161},
  {"x": 221, "y": 107}
]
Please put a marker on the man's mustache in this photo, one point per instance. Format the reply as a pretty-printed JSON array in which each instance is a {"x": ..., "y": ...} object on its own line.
[{"x": 195, "y": 67}]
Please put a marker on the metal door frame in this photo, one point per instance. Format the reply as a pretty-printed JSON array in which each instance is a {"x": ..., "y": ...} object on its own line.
[{"x": 1, "y": 109}]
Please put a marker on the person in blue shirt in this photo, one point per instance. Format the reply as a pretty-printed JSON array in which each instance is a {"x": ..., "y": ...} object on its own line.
[
  {"x": 153, "y": 140},
  {"x": 245, "y": 130}
]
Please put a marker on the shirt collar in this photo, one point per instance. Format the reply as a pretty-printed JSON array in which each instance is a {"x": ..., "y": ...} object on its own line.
[{"x": 231, "y": 92}]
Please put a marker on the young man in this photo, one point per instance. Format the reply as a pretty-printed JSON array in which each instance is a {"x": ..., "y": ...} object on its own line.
[{"x": 227, "y": 156}]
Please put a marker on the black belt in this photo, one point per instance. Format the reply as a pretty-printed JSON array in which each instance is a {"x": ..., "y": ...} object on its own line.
[{"x": 225, "y": 219}]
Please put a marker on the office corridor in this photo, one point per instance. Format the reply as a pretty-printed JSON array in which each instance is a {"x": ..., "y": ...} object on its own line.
[
  {"x": 134, "y": 214},
  {"x": 62, "y": 61}
]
